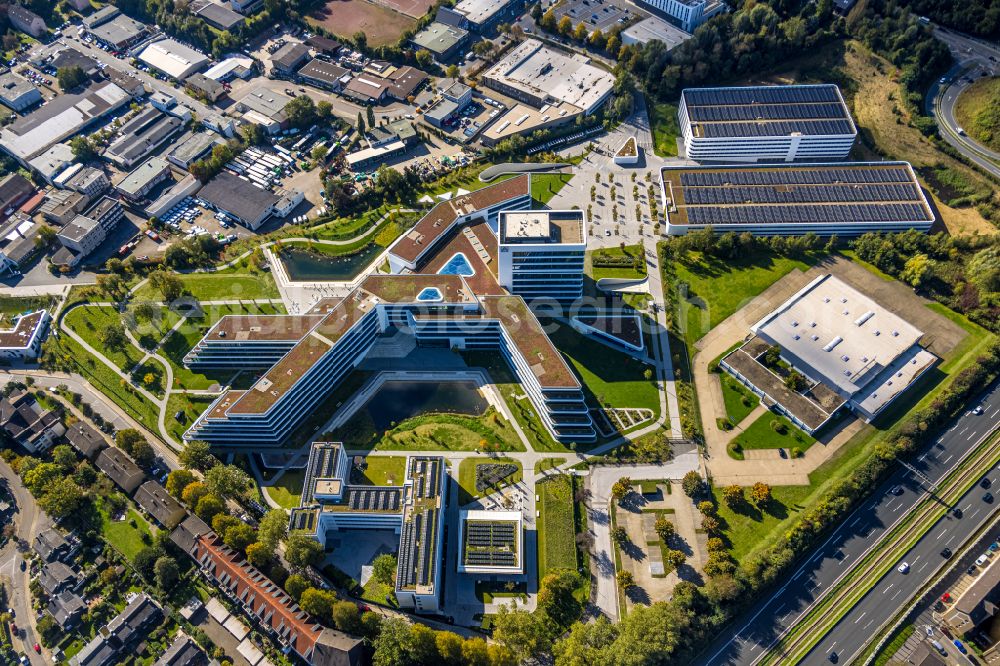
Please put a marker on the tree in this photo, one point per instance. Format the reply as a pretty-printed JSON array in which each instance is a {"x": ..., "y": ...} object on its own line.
[
  {"x": 565, "y": 26},
  {"x": 127, "y": 438},
  {"x": 710, "y": 524},
  {"x": 208, "y": 507},
  {"x": 733, "y": 496},
  {"x": 317, "y": 602},
  {"x": 916, "y": 269},
  {"x": 346, "y": 617},
  {"x": 145, "y": 561},
  {"x": 238, "y": 537},
  {"x": 143, "y": 454},
  {"x": 760, "y": 493},
  {"x": 424, "y": 58},
  {"x": 301, "y": 112},
  {"x": 223, "y": 522},
  {"x": 178, "y": 480},
  {"x": 273, "y": 528},
  {"x": 228, "y": 481},
  {"x": 692, "y": 484},
  {"x": 196, "y": 455},
  {"x": 423, "y": 648},
  {"x": 983, "y": 270},
  {"x": 65, "y": 457},
  {"x": 295, "y": 585},
  {"x": 165, "y": 572},
  {"x": 449, "y": 645},
  {"x": 555, "y": 596},
  {"x": 612, "y": 45},
  {"x": 62, "y": 498},
  {"x": 324, "y": 110},
  {"x": 319, "y": 153},
  {"x": 795, "y": 381},
  {"x": 70, "y": 77},
  {"x": 525, "y": 634},
  {"x": 452, "y": 71},
  {"x": 301, "y": 550},
  {"x": 48, "y": 629},
  {"x": 371, "y": 116},
  {"x": 392, "y": 646},
  {"x": 475, "y": 652},
  {"x": 384, "y": 568},
  {"x": 193, "y": 492},
  {"x": 621, "y": 488},
  {"x": 37, "y": 477},
  {"x": 674, "y": 558},
  {"x": 664, "y": 528},
  {"x": 168, "y": 284},
  {"x": 619, "y": 535},
  {"x": 360, "y": 126},
  {"x": 625, "y": 579},
  {"x": 113, "y": 337},
  {"x": 771, "y": 356},
  {"x": 580, "y": 32},
  {"x": 83, "y": 149},
  {"x": 706, "y": 508}
]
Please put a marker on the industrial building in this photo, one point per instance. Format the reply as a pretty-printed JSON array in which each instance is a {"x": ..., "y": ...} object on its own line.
[
  {"x": 65, "y": 116},
  {"x": 542, "y": 253},
  {"x": 687, "y": 14},
  {"x": 217, "y": 15},
  {"x": 654, "y": 29},
  {"x": 846, "y": 199},
  {"x": 143, "y": 179},
  {"x": 120, "y": 32},
  {"x": 173, "y": 59},
  {"x": 289, "y": 57},
  {"x": 414, "y": 510},
  {"x": 324, "y": 74},
  {"x": 86, "y": 232},
  {"x": 538, "y": 75},
  {"x": 265, "y": 108},
  {"x": 202, "y": 86},
  {"x": 443, "y": 41},
  {"x": 248, "y": 204},
  {"x": 18, "y": 94},
  {"x": 233, "y": 67},
  {"x": 192, "y": 147},
  {"x": 850, "y": 350},
  {"x": 141, "y": 136},
  {"x": 766, "y": 124},
  {"x": 480, "y": 16}
]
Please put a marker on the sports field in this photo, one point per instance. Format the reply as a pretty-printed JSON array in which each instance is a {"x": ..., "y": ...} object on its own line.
[{"x": 382, "y": 23}]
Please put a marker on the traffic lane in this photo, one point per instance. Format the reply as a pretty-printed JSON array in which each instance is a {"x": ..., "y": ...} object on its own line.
[
  {"x": 746, "y": 643},
  {"x": 848, "y": 637}
]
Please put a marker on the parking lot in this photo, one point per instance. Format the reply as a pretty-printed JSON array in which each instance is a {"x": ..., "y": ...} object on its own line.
[{"x": 596, "y": 14}]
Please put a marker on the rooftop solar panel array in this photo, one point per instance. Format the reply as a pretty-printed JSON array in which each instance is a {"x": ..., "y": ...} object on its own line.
[
  {"x": 360, "y": 498},
  {"x": 762, "y": 95},
  {"x": 767, "y": 111},
  {"x": 491, "y": 543},
  {"x": 807, "y": 214},
  {"x": 789, "y": 194},
  {"x": 321, "y": 465},
  {"x": 796, "y": 176}
]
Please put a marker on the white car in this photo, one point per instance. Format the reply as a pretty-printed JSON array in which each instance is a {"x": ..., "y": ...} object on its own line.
[
  {"x": 978, "y": 409},
  {"x": 903, "y": 568},
  {"x": 981, "y": 560}
]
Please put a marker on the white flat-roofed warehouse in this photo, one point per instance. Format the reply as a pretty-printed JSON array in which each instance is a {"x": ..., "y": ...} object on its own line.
[
  {"x": 850, "y": 349},
  {"x": 654, "y": 29},
  {"x": 173, "y": 58},
  {"x": 846, "y": 199},
  {"x": 480, "y": 16},
  {"x": 766, "y": 124},
  {"x": 18, "y": 93},
  {"x": 538, "y": 75}
]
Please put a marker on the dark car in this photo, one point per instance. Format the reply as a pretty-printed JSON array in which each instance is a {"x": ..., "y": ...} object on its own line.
[
  {"x": 946, "y": 553},
  {"x": 956, "y": 512},
  {"x": 985, "y": 483},
  {"x": 833, "y": 657},
  {"x": 897, "y": 490},
  {"x": 988, "y": 498}
]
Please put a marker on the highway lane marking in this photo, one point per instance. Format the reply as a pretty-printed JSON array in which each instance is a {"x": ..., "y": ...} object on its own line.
[
  {"x": 971, "y": 435},
  {"x": 940, "y": 535},
  {"x": 921, "y": 567},
  {"x": 855, "y": 521},
  {"x": 898, "y": 590},
  {"x": 974, "y": 513},
  {"x": 945, "y": 461},
  {"x": 888, "y": 588},
  {"x": 963, "y": 430},
  {"x": 950, "y": 539},
  {"x": 861, "y": 618},
  {"x": 993, "y": 415},
  {"x": 831, "y": 646}
]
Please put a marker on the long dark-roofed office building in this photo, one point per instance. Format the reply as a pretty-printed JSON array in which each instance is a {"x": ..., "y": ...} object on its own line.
[
  {"x": 846, "y": 199},
  {"x": 766, "y": 124}
]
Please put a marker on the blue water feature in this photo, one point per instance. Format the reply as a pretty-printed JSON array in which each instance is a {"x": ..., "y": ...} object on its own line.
[
  {"x": 457, "y": 265},
  {"x": 430, "y": 294}
]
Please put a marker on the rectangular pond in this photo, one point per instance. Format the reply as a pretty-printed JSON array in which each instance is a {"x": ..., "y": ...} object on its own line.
[
  {"x": 303, "y": 264},
  {"x": 398, "y": 400}
]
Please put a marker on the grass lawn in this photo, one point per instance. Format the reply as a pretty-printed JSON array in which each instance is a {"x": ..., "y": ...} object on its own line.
[
  {"x": 633, "y": 271},
  {"x": 379, "y": 593},
  {"x": 15, "y": 305},
  {"x": 719, "y": 287},
  {"x": 88, "y": 321},
  {"x": 548, "y": 463},
  {"x": 467, "y": 477},
  {"x": 192, "y": 405},
  {"x": 975, "y": 102},
  {"x": 740, "y": 400},
  {"x": 218, "y": 287},
  {"x": 760, "y": 435},
  {"x": 663, "y": 121},
  {"x": 488, "y": 592},
  {"x": 608, "y": 375},
  {"x": 126, "y": 539},
  {"x": 430, "y": 432},
  {"x": 287, "y": 491},
  {"x": 544, "y": 186},
  {"x": 556, "y": 525},
  {"x": 381, "y": 471}
]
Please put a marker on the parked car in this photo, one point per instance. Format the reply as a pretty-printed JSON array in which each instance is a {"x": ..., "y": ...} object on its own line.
[
  {"x": 903, "y": 568},
  {"x": 961, "y": 648}
]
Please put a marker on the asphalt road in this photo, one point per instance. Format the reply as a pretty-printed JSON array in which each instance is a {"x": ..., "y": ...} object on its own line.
[
  {"x": 973, "y": 59},
  {"x": 745, "y": 640}
]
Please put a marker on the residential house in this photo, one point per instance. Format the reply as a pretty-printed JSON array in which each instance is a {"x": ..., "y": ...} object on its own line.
[
  {"x": 26, "y": 422},
  {"x": 25, "y": 20},
  {"x": 122, "y": 634},
  {"x": 67, "y": 609},
  {"x": 157, "y": 502},
  {"x": 122, "y": 470},
  {"x": 51, "y": 545},
  {"x": 85, "y": 439}
]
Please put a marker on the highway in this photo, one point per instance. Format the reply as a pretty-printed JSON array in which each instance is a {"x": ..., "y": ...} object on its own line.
[
  {"x": 746, "y": 639},
  {"x": 973, "y": 58}
]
